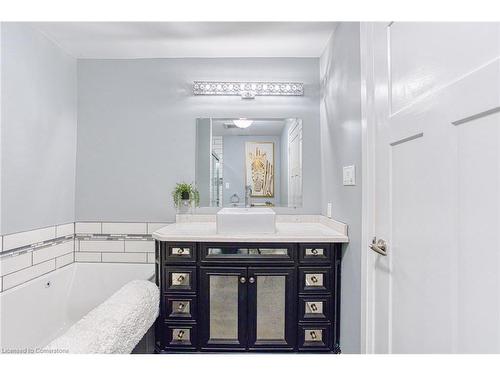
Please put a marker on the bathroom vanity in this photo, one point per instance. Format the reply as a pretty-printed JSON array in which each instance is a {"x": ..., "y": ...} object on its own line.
[{"x": 244, "y": 292}]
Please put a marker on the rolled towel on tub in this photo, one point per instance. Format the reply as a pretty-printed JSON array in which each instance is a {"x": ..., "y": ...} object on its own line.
[{"x": 116, "y": 325}]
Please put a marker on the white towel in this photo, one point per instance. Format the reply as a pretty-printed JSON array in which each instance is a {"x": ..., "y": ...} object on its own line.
[{"x": 115, "y": 326}]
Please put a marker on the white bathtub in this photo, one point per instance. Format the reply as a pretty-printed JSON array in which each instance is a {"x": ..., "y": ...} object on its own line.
[{"x": 35, "y": 313}]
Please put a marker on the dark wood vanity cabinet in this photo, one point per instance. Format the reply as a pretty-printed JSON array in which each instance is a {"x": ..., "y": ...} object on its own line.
[{"x": 248, "y": 297}]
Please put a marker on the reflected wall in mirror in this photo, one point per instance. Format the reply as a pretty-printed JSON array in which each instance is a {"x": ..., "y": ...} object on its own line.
[{"x": 255, "y": 162}]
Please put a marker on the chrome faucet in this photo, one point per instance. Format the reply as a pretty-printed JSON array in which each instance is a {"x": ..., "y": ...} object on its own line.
[{"x": 248, "y": 196}]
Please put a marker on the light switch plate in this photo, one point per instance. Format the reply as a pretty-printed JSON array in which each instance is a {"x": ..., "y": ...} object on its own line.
[{"x": 349, "y": 175}]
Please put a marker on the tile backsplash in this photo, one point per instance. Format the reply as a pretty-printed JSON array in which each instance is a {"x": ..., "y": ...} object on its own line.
[{"x": 27, "y": 255}]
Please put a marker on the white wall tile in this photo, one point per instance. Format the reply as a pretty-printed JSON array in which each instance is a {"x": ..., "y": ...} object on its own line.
[
  {"x": 151, "y": 257},
  {"x": 124, "y": 228},
  {"x": 104, "y": 246},
  {"x": 14, "y": 263},
  {"x": 65, "y": 230},
  {"x": 139, "y": 246},
  {"x": 65, "y": 260},
  {"x": 94, "y": 228},
  {"x": 15, "y": 240},
  {"x": 124, "y": 257},
  {"x": 1, "y": 244},
  {"x": 1, "y": 284},
  {"x": 51, "y": 252},
  {"x": 87, "y": 257},
  {"x": 152, "y": 227},
  {"x": 27, "y": 274}
]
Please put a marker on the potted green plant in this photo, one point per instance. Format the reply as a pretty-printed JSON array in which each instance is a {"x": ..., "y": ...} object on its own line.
[{"x": 185, "y": 196}]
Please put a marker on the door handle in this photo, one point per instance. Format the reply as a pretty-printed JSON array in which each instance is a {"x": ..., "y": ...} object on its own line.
[
  {"x": 243, "y": 280},
  {"x": 379, "y": 246},
  {"x": 251, "y": 280}
]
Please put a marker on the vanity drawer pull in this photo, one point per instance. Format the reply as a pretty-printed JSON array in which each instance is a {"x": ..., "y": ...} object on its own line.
[
  {"x": 180, "y": 307},
  {"x": 179, "y": 280},
  {"x": 181, "y": 336},
  {"x": 314, "y": 335},
  {"x": 315, "y": 308},
  {"x": 178, "y": 252},
  {"x": 314, "y": 253},
  {"x": 181, "y": 251},
  {"x": 315, "y": 279}
]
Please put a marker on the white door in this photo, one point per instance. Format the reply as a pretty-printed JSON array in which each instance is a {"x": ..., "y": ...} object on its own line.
[
  {"x": 432, "y": 115},
  {"x": 295, "y": 164}
]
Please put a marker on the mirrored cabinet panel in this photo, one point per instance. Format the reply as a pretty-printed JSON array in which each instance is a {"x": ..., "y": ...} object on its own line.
[
  {"x": 271, "y": 293},
  {"x": 247, "y": 253},
  {"x": 223, "y": 303},
  {"x": 272, "y": 307},
  {"x": 223, "y": 294}
]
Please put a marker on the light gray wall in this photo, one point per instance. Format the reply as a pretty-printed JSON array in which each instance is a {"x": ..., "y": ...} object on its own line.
[
  {"x": 234, "y": 167},
  {"x": 38, "y": 126},
  {"x": 341, "y": 146},
  {"x": 136, "y": 128}
]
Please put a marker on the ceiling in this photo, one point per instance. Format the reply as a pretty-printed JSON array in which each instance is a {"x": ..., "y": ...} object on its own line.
[
  {"x": 259, "y": 127},
  {"x": 130, "y": 40}
]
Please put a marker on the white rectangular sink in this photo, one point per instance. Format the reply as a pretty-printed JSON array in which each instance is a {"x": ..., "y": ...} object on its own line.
[{"x": 251, "y": 220}]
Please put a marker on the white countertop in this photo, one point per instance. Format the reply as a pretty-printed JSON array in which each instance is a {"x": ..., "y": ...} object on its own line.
[{"x": 289, "y": 228}]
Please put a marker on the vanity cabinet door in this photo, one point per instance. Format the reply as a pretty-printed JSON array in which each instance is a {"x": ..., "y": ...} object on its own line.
[
  {"x": 223, "y": 308},
  {"x": 272, "y": 308}
]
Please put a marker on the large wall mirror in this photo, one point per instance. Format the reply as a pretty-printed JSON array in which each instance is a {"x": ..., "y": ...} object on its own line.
[{"x": 255, "y": 162}]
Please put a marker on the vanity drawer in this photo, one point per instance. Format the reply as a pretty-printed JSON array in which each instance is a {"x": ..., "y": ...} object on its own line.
[
  {"x": 245, "y": 253},
  {"x": 179, "y": 279},
  {"x": 315, "y": 253},
  {"x": 179, "y": 252},
  {"x": 178, "y": 306},
  {"x": 179, "y": 336},
  {"x": 315, "y": 337},
  {"x": 315, "y": 308},
  {"x": 314, "y": 280}
]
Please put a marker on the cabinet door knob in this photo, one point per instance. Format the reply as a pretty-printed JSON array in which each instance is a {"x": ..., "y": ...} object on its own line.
[
  {"x": 251, "y": 280},
  {"x": 243, "y": 280}
]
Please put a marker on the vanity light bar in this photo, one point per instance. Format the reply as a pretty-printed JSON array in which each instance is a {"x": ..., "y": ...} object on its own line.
[{"x": 248, "y": 89}]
